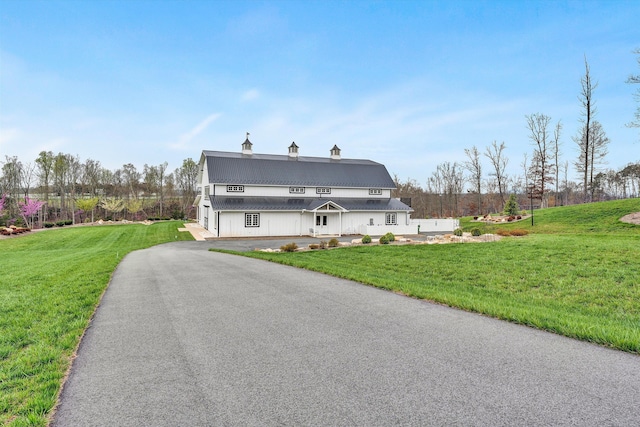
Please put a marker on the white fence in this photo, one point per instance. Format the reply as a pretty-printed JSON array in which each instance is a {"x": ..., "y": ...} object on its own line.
[{"x": 415, "y": 226}]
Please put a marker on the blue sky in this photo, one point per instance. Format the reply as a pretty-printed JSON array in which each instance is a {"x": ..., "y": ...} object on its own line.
[{"x": 410, "y": 84}]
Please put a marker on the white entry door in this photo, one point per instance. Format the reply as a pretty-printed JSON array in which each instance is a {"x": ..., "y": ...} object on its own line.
[{"x": 322, "y": 224}]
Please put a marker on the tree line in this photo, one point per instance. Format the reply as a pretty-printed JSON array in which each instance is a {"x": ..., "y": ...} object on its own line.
[
  {"x": 65, "y": 188},
  {"x": 60, "y": 186},
  {"x": 544, "y": 180}
]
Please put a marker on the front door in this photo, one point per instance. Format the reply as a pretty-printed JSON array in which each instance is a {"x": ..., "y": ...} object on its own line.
[{"x": 322, "y": 223}]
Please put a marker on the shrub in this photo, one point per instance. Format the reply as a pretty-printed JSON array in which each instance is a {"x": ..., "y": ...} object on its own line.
[
  {"x": 518, "y": 216},
  {"x": 503, "y": 232},
  {"x": 48, "y": 224},
  {"x": 475, "y": 218},
  {"x": 476, "y": 232},
  {"x": 60, "y": 223},
  {"x": 391, "y": 237},
  {"x": 334, "y": 243},
  {"x": 366, "y": 239},
  {"x": 511, "y": 207},
  {"x": 68, "y": 222},
  {"x": 458, "y": 232},
  {"x": 314, "y": 246},
  {"x": 523, "y": 212},
  {"x": 289, "y": 247},
  {"x": 384, "y": 240},
  {"x": 323, "y": 244},
  {"x": 519, "y": 232}
]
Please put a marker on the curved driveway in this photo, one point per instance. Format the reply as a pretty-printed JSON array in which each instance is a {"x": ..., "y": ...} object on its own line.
[{"x": 187, "y": 337}]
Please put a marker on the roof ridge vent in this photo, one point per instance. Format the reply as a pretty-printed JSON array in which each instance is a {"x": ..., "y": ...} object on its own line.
[
  {"x": 246, "y": 146},
  {"x": 335, "y": 153},
  {"x": 293, "y": 150}
]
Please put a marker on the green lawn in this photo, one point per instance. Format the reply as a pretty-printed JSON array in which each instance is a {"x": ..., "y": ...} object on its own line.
[
  {"x": 576, "y": 274},
  {"x": 50, "y": 284}
]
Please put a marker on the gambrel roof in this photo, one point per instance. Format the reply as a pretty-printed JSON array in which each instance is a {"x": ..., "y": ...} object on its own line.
[{"x": 268, "y": 169}]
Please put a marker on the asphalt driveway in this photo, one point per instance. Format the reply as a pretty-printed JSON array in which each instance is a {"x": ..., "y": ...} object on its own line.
[{"x": 188, "y": 337}]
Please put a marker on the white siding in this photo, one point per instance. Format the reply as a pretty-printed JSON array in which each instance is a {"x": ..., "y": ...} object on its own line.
[
  {"x": 310, "y": 192},
  {"x": 232, "y": 224}
]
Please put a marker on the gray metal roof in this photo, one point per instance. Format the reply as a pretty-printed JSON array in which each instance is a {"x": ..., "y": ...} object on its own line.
[
  {"x": 268, "y": 169},
  {"x": 225, "y": 203}
]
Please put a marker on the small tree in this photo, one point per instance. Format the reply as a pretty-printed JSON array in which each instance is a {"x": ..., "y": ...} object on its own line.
[
  {"x": 28, "y": 209},
  {"x": 113, "y": 205},
  {"x": 133, "y": 207},
  {"x": 87, "y": 205},
  {"x": 511, "y": 207}
]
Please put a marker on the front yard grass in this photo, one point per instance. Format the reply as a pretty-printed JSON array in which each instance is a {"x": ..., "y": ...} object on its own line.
[
  {"x": 577, "y": 275},
  {"x": 50, "y": 284}
]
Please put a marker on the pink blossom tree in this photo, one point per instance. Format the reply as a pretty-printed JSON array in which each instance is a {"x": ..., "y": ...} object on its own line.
[
  {"x": 2, "y": 202},
  {"x": 29, "y": 208}
]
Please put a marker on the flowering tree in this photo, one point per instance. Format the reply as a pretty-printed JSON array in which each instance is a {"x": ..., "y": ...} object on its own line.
[
  {"x": 29, "y": 208},
  {"x": 2, "y": 202}
]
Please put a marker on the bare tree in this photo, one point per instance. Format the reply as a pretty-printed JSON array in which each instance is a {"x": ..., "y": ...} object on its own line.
[
  {"x": 495, "y": 153},
  {"x": 635, "y": 79},
  {"x": 45, "y": 162},
  {"x": 60, "y": 172},
  {"x": 474, "y": 166},
  {"x": 186, "y": 177},
  {"x": 91, "y": 177},
  {"x": 131, "y": 178},
  {"x": 162, "y": 169},
  {"x": 555, "y": 147},
  {"x": 542, "y": 166},
  {"x": 598, "y": 149},
  {"x": 10, "y": 181},
  {"x": 583, "y": 139}
]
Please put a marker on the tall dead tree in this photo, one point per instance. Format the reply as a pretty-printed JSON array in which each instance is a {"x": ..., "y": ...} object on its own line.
[
  {"x": 596, "y": 155},
  {"x": 556, "y": 155},
  {"x": 474, "y": 166},
  {"x": 635, "y": 79},
  {"x": 495, "y": 153},
  {"x": 584, "y": 137},
  {"x": 542, "y": 166}
]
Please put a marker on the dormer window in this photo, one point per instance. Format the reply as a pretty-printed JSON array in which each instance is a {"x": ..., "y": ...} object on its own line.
[
  {"x": 375, "y": 191},
  {"x": 323, "y": 190},
  {"x": 235, "y": 188}
]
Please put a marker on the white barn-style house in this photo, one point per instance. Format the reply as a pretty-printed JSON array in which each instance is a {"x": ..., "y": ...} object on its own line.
[{"x": 245, "y": 194}]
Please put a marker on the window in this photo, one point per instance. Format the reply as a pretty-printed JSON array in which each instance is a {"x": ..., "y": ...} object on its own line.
[
  {"x": 252, "y": 220},
  {"x": 296, "y": 190},
  {"x": 370, "y": 221},
  {"x": 323, "y": 190},
  {"x": 390, "y": 219},
  {"x": 235, "y": 188},
  {"x": 206, "y": 192},
  {"x": 375, "y": 191},
  {"x": 321, "y": 220}
]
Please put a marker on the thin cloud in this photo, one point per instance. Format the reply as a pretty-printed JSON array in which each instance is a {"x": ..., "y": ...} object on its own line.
[
  {"x": 187, "y": 137},
  {"x": 250, "y": 95}
]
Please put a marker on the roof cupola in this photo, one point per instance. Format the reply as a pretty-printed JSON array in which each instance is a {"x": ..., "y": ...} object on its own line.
[
  {"x": 293, "y": 150},
  {"x": 246, "y": 146},
  {"x": 335, "y": 153}
]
